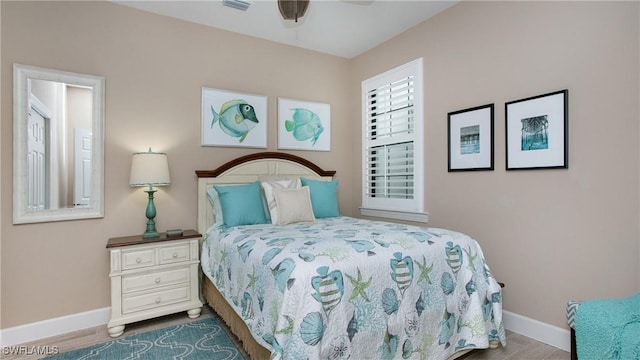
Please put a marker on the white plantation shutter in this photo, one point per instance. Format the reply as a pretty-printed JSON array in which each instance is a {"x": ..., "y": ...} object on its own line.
[
  {"x": 391, "y": 171},
  {"x": 392, "y": 143}
]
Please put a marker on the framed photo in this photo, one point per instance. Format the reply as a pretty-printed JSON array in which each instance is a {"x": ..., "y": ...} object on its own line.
[
  {"x": 537, "y": 132},
  {"x": 233, "y": 119},
  {"x": 304, "y": 125},
  {"x": 470, "y": 139}
]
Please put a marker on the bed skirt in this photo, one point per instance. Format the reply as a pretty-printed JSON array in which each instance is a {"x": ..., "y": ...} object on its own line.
[{"x": 233, "y": 321}]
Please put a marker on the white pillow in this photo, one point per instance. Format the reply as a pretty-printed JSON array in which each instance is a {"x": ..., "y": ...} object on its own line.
[
  {"x": 294, "y": 205},
  {"x": 212, "y": 194},
  {"x": 268, "y": 187}
]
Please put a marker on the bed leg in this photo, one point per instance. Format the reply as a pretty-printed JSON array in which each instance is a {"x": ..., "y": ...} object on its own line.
[{"x": 574, "y": 353}]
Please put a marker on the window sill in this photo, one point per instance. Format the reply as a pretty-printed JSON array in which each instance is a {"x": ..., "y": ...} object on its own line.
[{"x": 397, "y": 215}]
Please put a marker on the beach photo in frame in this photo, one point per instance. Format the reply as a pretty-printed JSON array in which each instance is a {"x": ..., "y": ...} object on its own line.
[
  {"x": 304, "y": 125},
  {"x": 233, "y": 119},
  {"x": 537, "y": 132},
  {"x": 470, "y": 140}
]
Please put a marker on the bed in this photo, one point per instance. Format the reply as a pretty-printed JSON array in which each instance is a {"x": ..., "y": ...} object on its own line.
[{"x": 309, "y": 283}]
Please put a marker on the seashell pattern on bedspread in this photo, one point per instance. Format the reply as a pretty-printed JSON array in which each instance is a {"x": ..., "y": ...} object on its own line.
[{"x": 344, "y": 288}]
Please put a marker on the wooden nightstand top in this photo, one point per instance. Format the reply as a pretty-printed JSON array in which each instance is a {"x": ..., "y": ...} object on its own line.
[{"x": 138, "y": 240}]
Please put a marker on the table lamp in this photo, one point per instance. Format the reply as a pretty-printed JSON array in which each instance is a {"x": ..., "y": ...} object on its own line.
[{"x": 150, "y": 169}]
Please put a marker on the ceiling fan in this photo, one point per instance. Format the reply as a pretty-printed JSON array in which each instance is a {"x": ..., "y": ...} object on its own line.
[
  {"x": 289, "y": 9},
  {"x": 294, "y": 9}
]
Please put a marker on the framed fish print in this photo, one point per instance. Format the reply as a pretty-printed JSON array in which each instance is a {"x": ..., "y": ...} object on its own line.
[
  {"x": 233, "y": 119},
  {"x": 470, "y": 139},
  {"x": 304, "y": 125},
  {"x": 537, "y": 132}
]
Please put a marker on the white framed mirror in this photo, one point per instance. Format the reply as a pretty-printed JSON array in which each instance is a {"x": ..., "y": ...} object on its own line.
[{"x": 58, "y": 145}]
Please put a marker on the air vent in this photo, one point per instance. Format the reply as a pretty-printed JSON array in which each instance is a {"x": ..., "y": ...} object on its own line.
[{"x": 237, "y": 4}]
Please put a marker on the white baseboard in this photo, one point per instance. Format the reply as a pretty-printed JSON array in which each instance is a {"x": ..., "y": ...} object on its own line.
[
  {"x": 537, "y": 330},
  {"x": 53, "y": 327},
  {"x": 548, "y": 334}
]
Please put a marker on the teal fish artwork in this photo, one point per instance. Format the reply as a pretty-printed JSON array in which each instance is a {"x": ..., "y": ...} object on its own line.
[
  {"x": 389, "y": 346},
  {"x": 245, "y": 249},
  {"x": 470, "y": 287},
  {"x": 307, "y": 257},
  {"x": 447, "y": 325},
  {"x": 487, "y": 308},
  {"x": 361, "y": 245},
  {"x": 352, "y": 327},
  {"x": 281, "y": 273},
  {"x": 447, "y": 283},
  {"x": 304, "y": 125},
  {"x": 269, "y": 255},
  {"x": 454, "y": 257},
  {"x": 420, "y": 305},
  {"x": 246, "y": 304},
  {"x": 329, "y": 288},
  {"x": 402, "y": 272},
  {"x": 277, "y": 348},
  {"x": 280, "y": 241},
  {"x": 219, "y": 275},
  {"x": 422, "y": 237},
  {"x": 407, "y": 349},
  {"x": 236, "y": 118}
]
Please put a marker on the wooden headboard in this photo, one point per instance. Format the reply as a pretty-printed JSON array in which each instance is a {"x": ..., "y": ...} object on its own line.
[{"x": 247, "y": 169}]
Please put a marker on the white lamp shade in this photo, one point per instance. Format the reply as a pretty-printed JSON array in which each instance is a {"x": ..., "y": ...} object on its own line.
[{"x": 149, "y": 169}]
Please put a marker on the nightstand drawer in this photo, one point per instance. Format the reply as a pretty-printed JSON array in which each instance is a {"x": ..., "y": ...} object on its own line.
[
  {"x": 173, "y": 254},
  {"x": 155, "y": 299},
  {"x": 155, "y": 280},
  {"x": 133, "y": 259}
]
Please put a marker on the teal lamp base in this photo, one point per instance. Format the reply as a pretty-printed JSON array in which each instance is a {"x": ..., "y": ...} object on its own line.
[{"x": 150, "y": 232}]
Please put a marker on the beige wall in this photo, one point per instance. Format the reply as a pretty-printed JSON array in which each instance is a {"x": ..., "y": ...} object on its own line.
[
  {"x": 550, "y": 235},
  {"x": 154, "y": 68}
]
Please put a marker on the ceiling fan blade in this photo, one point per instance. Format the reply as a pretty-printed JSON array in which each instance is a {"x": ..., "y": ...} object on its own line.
[{"x": 292, "y": 9}]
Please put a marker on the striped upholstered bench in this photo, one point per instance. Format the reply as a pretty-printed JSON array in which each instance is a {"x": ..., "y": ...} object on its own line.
[{"x": 572, "y": 307}]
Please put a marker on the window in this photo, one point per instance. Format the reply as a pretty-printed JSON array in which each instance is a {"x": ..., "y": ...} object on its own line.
[{"x": 392, "y": 154}]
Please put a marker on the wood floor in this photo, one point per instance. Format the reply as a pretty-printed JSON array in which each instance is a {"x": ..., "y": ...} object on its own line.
[{"x": 518, "y": 346}]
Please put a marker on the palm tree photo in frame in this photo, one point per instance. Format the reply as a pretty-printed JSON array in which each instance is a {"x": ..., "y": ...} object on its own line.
[
  {"x": 470, "y": 139},
  {"x": 537, "y": 132},
  {"x": 233, "y": 119},
  {"x": 304, "y": 125}
]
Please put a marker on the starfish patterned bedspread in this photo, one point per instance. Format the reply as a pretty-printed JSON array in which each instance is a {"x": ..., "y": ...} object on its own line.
[{"x": 344, "y": 288}]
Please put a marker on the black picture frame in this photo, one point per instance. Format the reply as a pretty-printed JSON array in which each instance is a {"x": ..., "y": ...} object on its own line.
[
  {"x": 470, "y": 139},
  {"x": 537, "y": 132}
]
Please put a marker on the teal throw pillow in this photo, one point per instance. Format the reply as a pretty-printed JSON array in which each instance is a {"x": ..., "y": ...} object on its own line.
[
  {"x": 242, "y": 204},
  {"x": 324, "y": 197}
]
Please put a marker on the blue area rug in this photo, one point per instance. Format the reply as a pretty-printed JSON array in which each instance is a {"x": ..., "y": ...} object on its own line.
[{"x": 201, "y": 339}]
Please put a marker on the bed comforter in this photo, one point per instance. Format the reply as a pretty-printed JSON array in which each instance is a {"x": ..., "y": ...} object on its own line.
[{"x": 348, "y": 288}]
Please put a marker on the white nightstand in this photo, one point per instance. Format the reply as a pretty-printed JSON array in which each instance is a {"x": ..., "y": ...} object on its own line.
[{"x": 153, "y": 277}]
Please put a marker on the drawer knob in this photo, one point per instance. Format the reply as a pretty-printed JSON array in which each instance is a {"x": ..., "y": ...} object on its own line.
[
  {"x": 157, "y": 300},
  {"x": 157, "y": 280},
  {"x": 175, "y": 255},
  {"x": 138, "y": 260}
]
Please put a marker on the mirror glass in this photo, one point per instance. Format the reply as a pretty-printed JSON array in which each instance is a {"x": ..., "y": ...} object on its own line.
[{"x": 58, "y": 145}]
